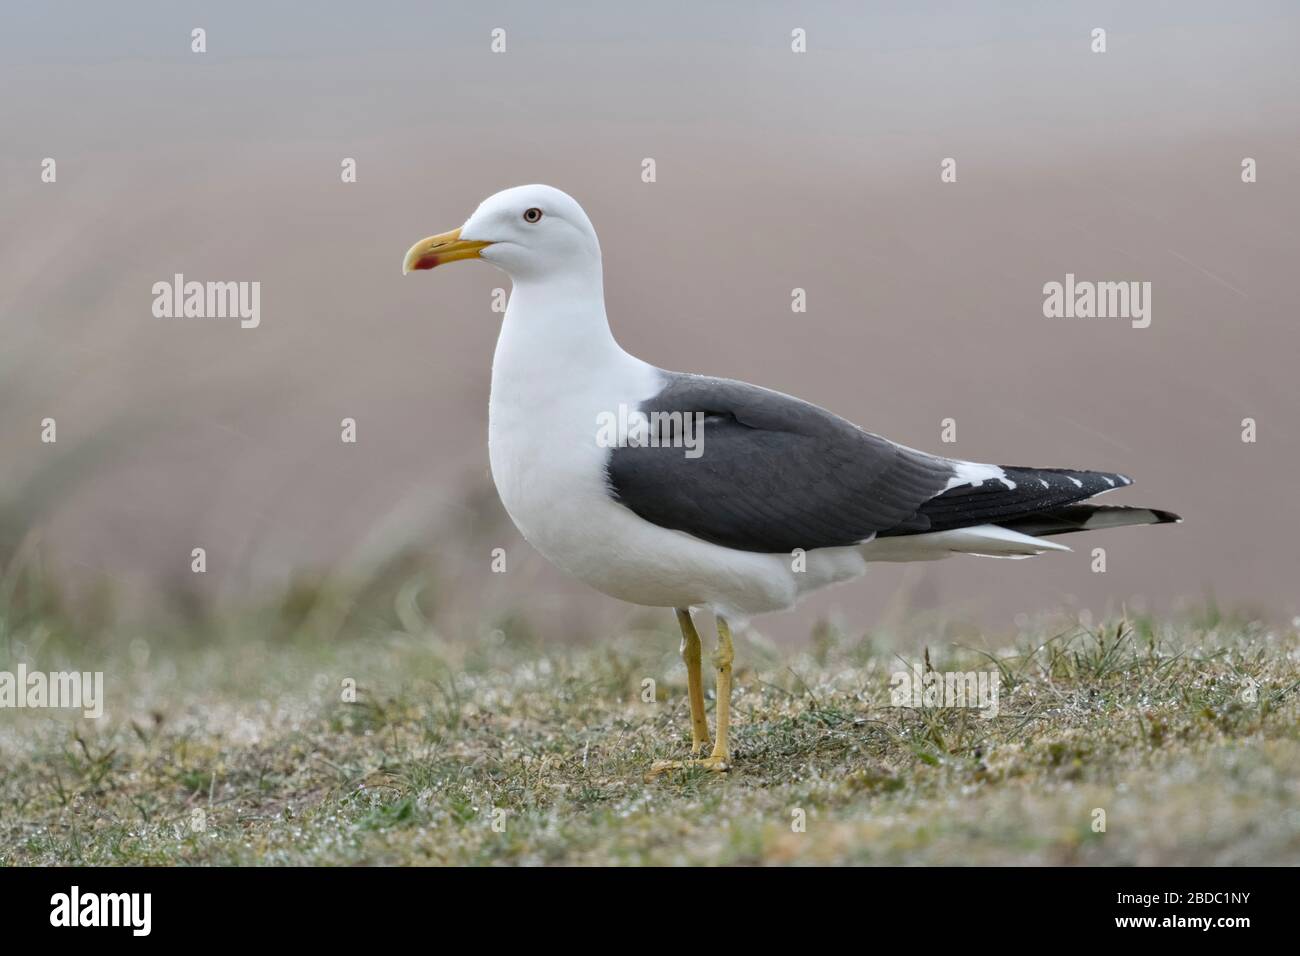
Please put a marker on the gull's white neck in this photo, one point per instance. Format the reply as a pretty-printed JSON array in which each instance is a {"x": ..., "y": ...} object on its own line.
[
  {"x": 556, "y": 324},
  {"x": 557, "y": 354}
]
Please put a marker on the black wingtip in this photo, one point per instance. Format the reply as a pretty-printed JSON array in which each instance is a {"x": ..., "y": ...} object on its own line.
[{"x": 1166, "y": 517}]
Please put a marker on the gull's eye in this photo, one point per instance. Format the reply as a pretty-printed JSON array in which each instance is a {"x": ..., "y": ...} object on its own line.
[{"x": 532, "y": 215}]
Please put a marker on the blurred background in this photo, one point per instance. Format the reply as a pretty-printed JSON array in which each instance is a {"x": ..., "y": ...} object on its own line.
[{"x": 774, "y": 171}]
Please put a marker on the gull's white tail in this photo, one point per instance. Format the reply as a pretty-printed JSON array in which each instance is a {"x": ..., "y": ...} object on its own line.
[{"x": 984, "y": 540}]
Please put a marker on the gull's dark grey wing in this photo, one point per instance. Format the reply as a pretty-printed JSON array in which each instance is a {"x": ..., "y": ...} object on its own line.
[{"x": 774, "y": 474}]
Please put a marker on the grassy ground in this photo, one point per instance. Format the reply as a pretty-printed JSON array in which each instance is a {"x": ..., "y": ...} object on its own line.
[{"x": 494, "y": 750}]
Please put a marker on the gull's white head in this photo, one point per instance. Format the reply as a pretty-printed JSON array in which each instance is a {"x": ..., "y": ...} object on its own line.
[{"x": 529, "y": 232}]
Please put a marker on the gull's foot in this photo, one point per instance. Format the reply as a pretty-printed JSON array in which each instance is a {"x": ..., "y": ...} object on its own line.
[{"x": 716, "y": 763}]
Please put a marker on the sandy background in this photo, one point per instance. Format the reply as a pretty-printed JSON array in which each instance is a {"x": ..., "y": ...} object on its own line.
[{"x": 775, "y": 170}]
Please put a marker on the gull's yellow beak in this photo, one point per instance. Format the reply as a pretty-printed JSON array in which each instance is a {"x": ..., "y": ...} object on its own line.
[{"x": 444, "y": 247}]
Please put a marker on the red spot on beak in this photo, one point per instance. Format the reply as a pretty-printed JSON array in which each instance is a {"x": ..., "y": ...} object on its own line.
[{"x": 425, "y": 262}]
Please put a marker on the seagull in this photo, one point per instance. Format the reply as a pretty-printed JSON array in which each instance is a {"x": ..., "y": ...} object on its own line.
[{"x": 683, "y": 491}]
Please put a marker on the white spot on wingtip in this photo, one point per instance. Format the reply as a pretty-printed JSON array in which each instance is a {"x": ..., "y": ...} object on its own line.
[
  {"x": 974, "y": 474},
  {"x": 1077, "y": 482},
  {"x": 1043, "y": 482},
  {"x": 1109, "y": 481}
]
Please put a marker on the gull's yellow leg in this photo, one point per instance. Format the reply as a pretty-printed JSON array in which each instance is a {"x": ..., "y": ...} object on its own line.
[
  {"x": 720, "y": 759},
  {"x": 694, "y": 683},
  {"x": 722, "y": 659}
]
